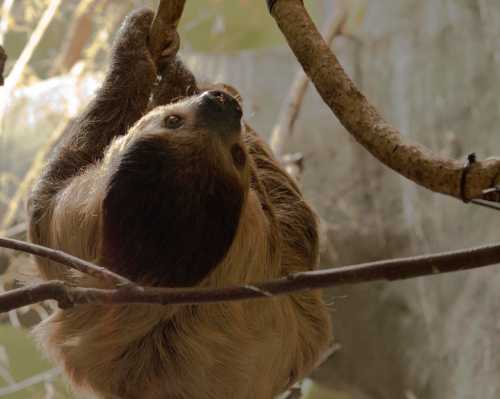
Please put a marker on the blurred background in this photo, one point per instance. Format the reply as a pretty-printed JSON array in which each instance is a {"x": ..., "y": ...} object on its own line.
[{"x": 430, "y": 66}]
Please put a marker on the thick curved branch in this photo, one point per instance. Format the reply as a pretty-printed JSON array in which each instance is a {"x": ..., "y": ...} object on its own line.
[
  {"x": 366, "y": 124},
  {"x": 65, "y": 259},
  {"x": 396, "y": 269}
]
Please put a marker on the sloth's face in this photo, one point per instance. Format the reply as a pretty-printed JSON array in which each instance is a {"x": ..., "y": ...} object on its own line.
[
  {"x": 201, "y": 130},
  {"x": 173, "y": 204}
]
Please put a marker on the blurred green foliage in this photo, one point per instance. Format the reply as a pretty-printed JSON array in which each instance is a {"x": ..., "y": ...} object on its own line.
[
  {"x": 231, "y": 25},
  {"x": 206, "y": 26},
  {"x": 24, "y": 362}
]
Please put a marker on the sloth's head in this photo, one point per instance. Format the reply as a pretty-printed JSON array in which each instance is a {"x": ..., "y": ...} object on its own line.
[{"x": 175, "y": 195}]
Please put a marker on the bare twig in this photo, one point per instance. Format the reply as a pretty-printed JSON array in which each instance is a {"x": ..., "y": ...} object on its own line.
[
  {"x": 4, "y": 23},
  {"x": 293, "y": 164},
  {"x": 396, "y": 269},
  {"x": 334, "y": 348},
  {"x": 79, "y": 33},
  {"x": 65, "y": 259},
  {"x": 366, "y": 124},
  {"x": 17, "y": 71},
  {"x": 294, "y": 393},
  {"x": 292, "y": 104},
  {"x": 5, "y": 373},
  {"x": 30, "y": 176},
  {"x": 29, "y": 382}
]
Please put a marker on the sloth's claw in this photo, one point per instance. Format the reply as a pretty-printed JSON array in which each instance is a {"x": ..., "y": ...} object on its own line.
[{"x": 171, "y": 48}]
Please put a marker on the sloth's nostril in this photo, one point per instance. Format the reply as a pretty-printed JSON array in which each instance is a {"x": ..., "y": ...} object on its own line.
[{"x": 220, "y": 96}]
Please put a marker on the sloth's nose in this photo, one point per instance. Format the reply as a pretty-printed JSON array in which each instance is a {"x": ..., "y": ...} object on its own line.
[
  {"x": 221, "y": 101},
  {"x": 219, "y": 112}
]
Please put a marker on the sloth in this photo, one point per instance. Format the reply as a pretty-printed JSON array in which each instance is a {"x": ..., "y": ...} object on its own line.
[{"x": 175, "y": 194}]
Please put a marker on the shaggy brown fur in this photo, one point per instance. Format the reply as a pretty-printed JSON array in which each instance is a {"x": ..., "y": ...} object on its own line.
[{"x": 203, "y": 204}]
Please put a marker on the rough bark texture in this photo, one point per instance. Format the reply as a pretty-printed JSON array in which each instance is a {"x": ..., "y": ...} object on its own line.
[{"x": 365, "y": 123}]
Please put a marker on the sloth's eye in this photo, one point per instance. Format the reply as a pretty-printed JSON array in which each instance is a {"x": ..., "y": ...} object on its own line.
[
  {"x": 173, "y": 122},
  {"x": 238, "y": 155}
]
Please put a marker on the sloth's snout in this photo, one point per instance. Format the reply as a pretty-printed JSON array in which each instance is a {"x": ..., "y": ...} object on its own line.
[
  {"x": 219, "y": 101},
  {"x": 219, "y": 112}
]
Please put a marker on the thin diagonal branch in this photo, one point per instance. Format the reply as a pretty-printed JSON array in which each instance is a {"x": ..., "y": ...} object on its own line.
[
  {"x": 17, "y": 71},
  {"x": 4, "y": 23},
  {"x": 365, "y": 123},
  {"x": 396, "y": 269},
  {"x": 65, "y": 259},
  {"x": 78, "y": 35},
  {"x": 48, "y": 375}
]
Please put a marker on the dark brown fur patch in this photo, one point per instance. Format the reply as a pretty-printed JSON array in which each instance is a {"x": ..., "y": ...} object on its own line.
[{"x": 169, "y": 215}]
